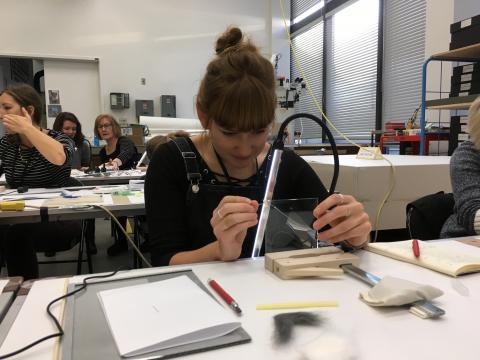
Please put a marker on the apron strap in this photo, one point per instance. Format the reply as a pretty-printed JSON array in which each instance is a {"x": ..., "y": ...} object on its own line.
[{"x": 190, "y": 161}]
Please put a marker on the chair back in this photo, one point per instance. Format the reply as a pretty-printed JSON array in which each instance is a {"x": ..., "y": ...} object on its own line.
[{"x": 426, "y": 216}]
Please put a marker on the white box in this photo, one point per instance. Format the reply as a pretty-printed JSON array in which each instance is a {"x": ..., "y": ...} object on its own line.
[{"x": 369, "y": 180}]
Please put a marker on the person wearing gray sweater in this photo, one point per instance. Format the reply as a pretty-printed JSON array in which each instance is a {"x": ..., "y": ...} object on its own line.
[{"x": 465, "y": 177}]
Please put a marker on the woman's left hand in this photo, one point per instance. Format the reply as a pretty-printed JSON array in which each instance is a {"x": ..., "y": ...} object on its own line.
[
  {"x": 347, "y": 218},
  {"x": 17, "y": 124}
]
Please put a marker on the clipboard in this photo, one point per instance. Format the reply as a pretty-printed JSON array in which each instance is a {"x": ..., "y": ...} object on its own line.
[
  {"x": 8, "y": 294},
  {"x": 11, "y": 301},
  {"x": 88, "y": 337}
]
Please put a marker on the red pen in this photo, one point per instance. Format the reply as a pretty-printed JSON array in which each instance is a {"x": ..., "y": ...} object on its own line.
[
  {"x": 416, "y": 248},
  {"x": 225, "y": 296}
]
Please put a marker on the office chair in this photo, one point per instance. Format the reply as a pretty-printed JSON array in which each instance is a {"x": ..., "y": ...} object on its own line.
[
  {"x": 81, "y": 241},
  {"x": 426, "y": 216}
]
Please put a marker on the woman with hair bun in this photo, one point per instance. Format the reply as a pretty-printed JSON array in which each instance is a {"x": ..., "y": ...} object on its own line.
[
  {"x": 202, "y": 193},
  {"x": 465, "y": 177}
]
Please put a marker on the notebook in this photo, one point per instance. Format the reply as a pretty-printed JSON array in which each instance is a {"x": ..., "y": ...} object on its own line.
[
  {"x": 163, "y": 314},
  {"x": 433, "y": 255}
]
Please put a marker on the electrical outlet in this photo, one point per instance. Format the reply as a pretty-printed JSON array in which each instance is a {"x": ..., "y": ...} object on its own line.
[{"x": 143, "y": 81}]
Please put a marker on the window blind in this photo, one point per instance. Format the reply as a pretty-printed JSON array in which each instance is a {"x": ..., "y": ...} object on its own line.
[
  {"x": 300, "y": 6},
  {"x": 352, "y": 35},
  {"x": 404, "y": 54},
  {"x": 308, "y": 47}
]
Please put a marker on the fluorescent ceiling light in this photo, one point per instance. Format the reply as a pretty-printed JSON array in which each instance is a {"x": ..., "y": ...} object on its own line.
[{"x": 309, "y": 12}]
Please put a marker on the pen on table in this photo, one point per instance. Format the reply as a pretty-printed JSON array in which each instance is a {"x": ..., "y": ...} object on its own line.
[
  {"x": 225, "y": 296},
  {"x": 68, "y": 194},
  {"x": 416, "y": 248}
]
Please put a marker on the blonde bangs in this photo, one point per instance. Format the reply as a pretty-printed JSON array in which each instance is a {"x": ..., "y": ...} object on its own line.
[{"x": 474, "y": 122}]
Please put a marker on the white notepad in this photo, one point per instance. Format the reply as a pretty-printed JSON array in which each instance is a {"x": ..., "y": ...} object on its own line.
[
  {"x": 433, "y": 255},
  {"x": 163, "y": 314}
]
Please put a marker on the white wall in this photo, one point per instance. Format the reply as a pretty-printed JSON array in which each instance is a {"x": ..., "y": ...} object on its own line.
[
  {"x": 280, "y": 42},
  {"x": 465, "y": 9},
  {"x": 440, "y": 14},
  {"x": 167, "y": 42},
  {"x": 437, "y": 39},
  {"x": 78, "y": 85}
]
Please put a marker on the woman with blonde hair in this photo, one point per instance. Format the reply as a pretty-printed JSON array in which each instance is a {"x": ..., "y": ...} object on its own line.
[
  {"x": 465, "y": 178},
  {"x": 119, "y": 153},
  {"x": 202, "y": 193}
]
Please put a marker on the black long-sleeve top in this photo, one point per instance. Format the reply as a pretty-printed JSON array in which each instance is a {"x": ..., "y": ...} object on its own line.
[
  {"x": 125, "y": 151},
  {"x": 166, "y": 188}
]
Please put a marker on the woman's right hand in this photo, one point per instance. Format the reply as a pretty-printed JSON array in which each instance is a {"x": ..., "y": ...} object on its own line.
[
  {"x": 230, "y": 222},
  {"x": 17, "y": 124}
]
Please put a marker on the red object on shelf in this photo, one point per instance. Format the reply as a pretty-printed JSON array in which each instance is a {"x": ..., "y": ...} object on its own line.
[
  {"x": 414, "y": 139},
  {"x": 394, "y": 125}
]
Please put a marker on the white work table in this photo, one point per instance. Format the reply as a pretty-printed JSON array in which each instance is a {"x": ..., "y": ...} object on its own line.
[
  {"x": 371, "y": 333},
  {"x": 369, "y": 181}
]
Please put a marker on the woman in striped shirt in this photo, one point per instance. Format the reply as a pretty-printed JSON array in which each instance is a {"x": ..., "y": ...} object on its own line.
[{"x": 32, "y": 157}]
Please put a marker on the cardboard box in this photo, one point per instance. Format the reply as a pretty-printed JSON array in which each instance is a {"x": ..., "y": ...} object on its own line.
[
  {"x": 135, "y": 133},
  {"x": 465, "y": 32}
]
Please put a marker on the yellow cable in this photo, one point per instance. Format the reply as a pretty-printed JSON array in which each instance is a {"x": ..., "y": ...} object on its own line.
[
  {"x": 137, "y": 250},
  {"x": 319, "y": 107}
]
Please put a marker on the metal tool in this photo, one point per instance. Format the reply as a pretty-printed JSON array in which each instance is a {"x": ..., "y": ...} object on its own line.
[
  {"x": 262, "y": 221},
  {"x": 422, "y": 308}
]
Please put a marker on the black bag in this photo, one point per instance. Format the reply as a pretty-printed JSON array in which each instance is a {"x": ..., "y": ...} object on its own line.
[{"x": 426, "y": 216}]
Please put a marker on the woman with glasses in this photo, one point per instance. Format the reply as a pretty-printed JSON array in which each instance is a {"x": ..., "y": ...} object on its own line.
[
  {"x": 67, "y": 123},
  {"x": 119, "y": 153}
]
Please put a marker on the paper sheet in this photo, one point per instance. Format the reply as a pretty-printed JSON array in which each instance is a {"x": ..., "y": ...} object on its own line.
[
  {"x": 136, "y": 199},
  {"x": 34, "y": 312},
  {"x": 28, "y": 196},
  {"x": 107, "y": 199},
  {"x": 82, "y": 200},
  {"x": 3, "y": 283},
  {"x": 161, "y": 311},
  {"x": 76, "y": 173}
]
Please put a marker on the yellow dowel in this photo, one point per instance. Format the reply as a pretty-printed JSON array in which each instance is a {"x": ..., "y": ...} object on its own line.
[
  {"x": 297, "y": 305},
  {"x": 17, "y": 205}
]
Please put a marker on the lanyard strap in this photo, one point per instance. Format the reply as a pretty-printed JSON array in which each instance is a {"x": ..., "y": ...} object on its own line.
[
  {"x": 190, "y": 161},
  {"x": 227, "y": 175}
]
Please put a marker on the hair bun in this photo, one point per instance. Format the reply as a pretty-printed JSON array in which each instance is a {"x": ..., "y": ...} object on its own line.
[{"x": 230, "y": 38}]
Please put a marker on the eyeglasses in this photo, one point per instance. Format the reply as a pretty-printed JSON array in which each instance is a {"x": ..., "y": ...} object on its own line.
[{"x": 104, "y": 126}]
